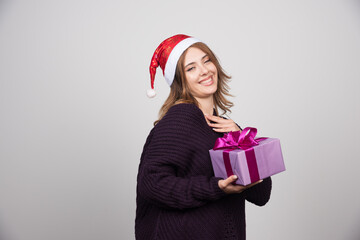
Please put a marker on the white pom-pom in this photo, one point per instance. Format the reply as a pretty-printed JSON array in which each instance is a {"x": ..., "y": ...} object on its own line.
[{"x": 151, "y": 93}]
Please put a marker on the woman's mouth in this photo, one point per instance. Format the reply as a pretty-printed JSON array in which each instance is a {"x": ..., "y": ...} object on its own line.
[{"x": 207, "y": 81}]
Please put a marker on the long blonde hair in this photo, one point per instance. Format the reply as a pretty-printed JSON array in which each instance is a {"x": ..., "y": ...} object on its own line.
[{"x": 180, "y": 91}]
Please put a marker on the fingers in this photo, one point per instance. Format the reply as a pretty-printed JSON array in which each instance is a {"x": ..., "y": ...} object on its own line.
[
  {"x": 216, "y": 119},
  {"x": 216, "y": 125},
  {"x": 227, "y": 186},
  {"x": 223, "y": 130},
  {"x": 226, "y": 182},
  {"x": 252, "y": 184},
  {"x": 221, "y": 125},
  {"x": 230, "y": 179}
]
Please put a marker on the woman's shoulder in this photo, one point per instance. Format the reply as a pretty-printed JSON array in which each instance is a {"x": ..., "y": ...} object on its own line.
[
  {"x": 183, "y": 113},
  {"x": 185, "y": 108}
]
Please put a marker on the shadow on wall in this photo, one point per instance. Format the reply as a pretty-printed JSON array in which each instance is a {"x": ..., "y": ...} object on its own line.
[
  {"x": 3, "y": 233},
  {"x": 355, "y": 234},
  {"x": 3, "y": 7}
]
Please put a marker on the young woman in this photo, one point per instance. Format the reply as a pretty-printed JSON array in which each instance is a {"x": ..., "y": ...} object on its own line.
[{"x": 178, "y": 196}]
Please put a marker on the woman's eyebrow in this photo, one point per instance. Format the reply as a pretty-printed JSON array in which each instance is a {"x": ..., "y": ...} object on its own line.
[{"x": 194, "y": 62}]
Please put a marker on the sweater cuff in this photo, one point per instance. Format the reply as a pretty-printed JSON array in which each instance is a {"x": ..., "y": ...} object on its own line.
[{"x": 218, "y": 193}]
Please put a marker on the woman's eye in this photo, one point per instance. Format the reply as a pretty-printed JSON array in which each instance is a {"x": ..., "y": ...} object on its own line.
[
  {"x": 190, "y": 69},
  {"x": 207, "y": 60}
]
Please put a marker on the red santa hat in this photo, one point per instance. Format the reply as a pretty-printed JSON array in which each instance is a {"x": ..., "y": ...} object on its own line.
[{"x": 166, "y": 56}]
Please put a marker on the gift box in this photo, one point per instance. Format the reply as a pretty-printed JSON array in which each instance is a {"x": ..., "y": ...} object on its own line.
[{"x": 247, "y": 157}]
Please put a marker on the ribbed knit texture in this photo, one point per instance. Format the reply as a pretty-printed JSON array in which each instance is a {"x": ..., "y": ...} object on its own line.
[{"x": 178, "y": 197}]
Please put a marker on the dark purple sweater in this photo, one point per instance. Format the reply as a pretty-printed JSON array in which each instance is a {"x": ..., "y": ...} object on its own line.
[{"x": 178, "y": 197}]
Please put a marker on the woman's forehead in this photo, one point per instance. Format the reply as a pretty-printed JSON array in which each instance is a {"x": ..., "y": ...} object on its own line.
[{"x": 193, "y": 55}]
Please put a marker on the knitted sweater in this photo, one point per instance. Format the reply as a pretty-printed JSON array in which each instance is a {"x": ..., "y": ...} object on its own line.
[{"x": 178, "y": 197}]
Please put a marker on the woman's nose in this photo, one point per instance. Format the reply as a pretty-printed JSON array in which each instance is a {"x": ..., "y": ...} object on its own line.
[{"x": 203, "y": 69}]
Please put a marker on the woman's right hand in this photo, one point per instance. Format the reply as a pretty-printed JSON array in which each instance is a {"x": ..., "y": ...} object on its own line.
[{"x": 229, "y": 188}]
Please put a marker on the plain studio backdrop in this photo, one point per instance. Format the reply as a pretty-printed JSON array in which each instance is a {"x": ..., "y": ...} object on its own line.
[{"x": 75, "y": 116}]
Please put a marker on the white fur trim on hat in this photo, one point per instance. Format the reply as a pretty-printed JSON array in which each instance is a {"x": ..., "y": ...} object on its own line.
[{"x": 174, "y": 56}]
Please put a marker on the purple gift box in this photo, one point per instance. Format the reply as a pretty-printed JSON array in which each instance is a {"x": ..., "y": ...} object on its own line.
[{"x": 248, "y": 158}]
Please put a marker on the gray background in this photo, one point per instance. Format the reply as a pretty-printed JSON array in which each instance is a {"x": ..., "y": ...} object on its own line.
[{"x": 75, "y": 116}]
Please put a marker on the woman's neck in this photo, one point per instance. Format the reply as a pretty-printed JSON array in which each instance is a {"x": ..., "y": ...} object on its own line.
[{"x": 206, "y": 105}]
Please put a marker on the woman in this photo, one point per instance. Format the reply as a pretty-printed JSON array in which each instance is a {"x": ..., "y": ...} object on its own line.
[{"x": 178, "y": 196}]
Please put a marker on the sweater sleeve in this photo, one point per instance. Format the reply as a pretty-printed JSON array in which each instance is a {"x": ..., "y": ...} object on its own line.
[
  {"x": 167, "y": 154},
  {"x": 260, "y": 193}
]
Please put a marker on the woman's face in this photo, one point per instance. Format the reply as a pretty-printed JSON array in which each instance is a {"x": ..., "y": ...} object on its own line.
[{"x": 200, "y": 72}]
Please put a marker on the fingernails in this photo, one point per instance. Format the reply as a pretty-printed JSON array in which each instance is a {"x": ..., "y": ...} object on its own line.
[{"x": 235, "y": 177}]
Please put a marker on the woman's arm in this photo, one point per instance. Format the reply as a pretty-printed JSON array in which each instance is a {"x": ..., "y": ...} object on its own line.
[
  {"x": 168, "y": 152},
  {"x": 260, "y": 193}
]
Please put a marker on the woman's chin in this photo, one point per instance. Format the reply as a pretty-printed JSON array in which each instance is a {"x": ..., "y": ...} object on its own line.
[{"x": 206, "y": 94}]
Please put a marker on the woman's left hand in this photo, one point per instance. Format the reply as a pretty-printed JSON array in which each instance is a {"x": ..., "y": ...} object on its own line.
[{"x": 221, "y": 124}]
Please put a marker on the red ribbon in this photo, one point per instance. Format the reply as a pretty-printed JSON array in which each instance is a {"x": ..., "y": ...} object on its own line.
[{"x": 244, "y": 140}]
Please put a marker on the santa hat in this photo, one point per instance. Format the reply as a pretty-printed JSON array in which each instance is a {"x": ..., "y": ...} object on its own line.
[{"x": 166, "y": 56}]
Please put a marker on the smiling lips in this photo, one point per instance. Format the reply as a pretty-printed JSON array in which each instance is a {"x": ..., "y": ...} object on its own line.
[{"x": 207, "y": 81}]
